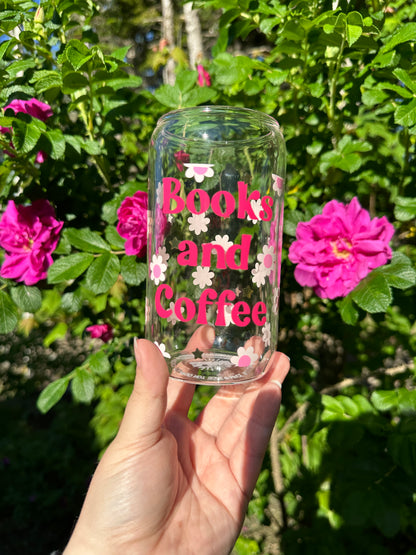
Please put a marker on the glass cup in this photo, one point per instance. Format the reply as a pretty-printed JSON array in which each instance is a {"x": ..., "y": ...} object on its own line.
[{"x": 216, "y": 192}]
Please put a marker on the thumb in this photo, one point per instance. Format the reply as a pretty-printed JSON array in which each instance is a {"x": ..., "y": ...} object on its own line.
[{"x": 146, "y": 407}]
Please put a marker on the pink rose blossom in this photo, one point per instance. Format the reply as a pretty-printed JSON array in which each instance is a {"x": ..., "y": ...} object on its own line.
[
  {"x": 28, "y": 234},
  {"x": 101, "y": 331},
  {"x": 334, "y": 251},
  {"x": 132, "y": 224},
  {"x": 204, "y": 78},
  {"x": 34, "y": 108},
  {"x": 181, "y": 157}
]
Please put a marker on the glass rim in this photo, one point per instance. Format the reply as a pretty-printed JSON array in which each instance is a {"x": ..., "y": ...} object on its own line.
[{"x": 270, "y": 124}]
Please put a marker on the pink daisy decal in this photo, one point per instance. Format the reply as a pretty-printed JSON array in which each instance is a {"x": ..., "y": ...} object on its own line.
[
  {"x": 157, "y": 269},
  {"x": 267, "y": 259},
  {"x": 245, "y": 357},
  {"x": 199, "y": 171}
]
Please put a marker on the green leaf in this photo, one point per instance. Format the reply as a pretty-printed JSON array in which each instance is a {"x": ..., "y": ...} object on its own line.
[
  {"x": 403, "y": 76},
  {"x": 83, "y": 386},
  {"x": 72, "y": 301},
  {"x": 57, "y": 141},
  {"x": 9, "y": 315},
  {"x": 399, "y": 273},
  {"x": 86, "y": 240},
  {"x": 52, "y": 394},
  {"x": 404, "y": 34},
  {"x": 28, "y": 299},
  {"x": 57, "y": 332},
  {"x": 99, "y": 363},
  {"x": 334, "y": 410},
  {"x": 113, "y": 238},
  {"x": 103, "y": 273},
  {"x": 197, "y": 96},
  {"x": 405, "y": 208},
  {"x": 347, "y": 310},
  {"x": 74, "y": 82},
  {"x": 405, "y": 114},
  {"x": 354, "y": 32},
  {"x": 169, "y": 95},
  {"x": 133, "y": 272},
  {"x": 25, "y": 136},
  {"x": 69, "y": 267},
  {"x": 373, "y": 294},
  {"x": 185, "y": 80}
]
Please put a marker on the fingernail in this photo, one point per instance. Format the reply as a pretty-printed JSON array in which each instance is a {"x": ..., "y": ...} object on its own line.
[
  {"x": 276, "y": 382},
  {"x": 136, "y": 351},
  {"x": 282, "y": 367}
]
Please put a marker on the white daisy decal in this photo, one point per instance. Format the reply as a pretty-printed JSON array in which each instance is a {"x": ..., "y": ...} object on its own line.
[
  {"x": 223, "y": 241},
  {"x": 245, "y": 357},
  {"x": 257, "y": 208},
  {"x": 267, "y": 259},
  {"x": 159, "y": 194},
  {"x": 161, "y": 251},
  {"x": 157, "y": 269},
  {"x": 259, "y": 274},
  {"x": 198, "y": 223},
  {"x": 266, "y": 334},
  {"x": 275, "y": 305},
  {"x": 227, "y": 314},
  {"x": 202, "y": 277},
  {"x": 162, "y": 349},
  {"x": 199, "y": 171},
  {"x": 277, "y": 183},
  {"x": 173, "y": 318}
]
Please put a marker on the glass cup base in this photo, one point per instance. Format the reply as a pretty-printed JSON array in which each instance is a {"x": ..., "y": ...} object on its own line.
[{"x": 213, "y": 369}]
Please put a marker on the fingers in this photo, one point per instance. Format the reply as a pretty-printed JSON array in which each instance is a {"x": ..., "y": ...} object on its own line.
[
  {"x": 146, "y": 406},
  {"x": 246, "y": 433},
  {"x": 221, "y": 406}
]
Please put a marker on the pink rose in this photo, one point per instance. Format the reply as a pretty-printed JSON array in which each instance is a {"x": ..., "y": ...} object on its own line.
[
  {"x": 181, "y": 158},
  {"x": 101, "y": 331},
  {"x": 34, "y": 108},
  {"x": 204, "y": 78},
  {"x": 334, "y": 251},
  {"x": 132, "y": 224},
  {"x": 28, "y": 234}
]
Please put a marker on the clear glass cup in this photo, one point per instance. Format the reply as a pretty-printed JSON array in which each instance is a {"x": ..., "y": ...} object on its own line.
[{"x": 216, "y": 194}]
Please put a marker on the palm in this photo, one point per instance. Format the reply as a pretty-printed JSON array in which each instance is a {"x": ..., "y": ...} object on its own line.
[{"x": 181, "y": 485}]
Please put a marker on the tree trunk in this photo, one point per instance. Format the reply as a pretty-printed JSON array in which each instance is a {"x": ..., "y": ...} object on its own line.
[
  {"x": 193, "y": 35},
  {"x": 168, "y": 33}
]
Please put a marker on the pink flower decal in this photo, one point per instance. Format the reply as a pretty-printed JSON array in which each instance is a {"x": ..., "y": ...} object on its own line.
[
  {"x": 158, "y": 269},
  {"x": 199, "y": 171},
  {"x": 204, "y": 78},
  {"x": 34, "y": 108},
  {"x": 132, "y": 224},
  {"x": 28, "y": 234},
  {"x": 101, "y": 331},
  {"x": 245, "y": 357},
  {"x": 334, "y": 251}
]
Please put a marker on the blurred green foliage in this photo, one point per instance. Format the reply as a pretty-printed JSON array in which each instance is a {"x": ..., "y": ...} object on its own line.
[{"x": 340, "y": 77}]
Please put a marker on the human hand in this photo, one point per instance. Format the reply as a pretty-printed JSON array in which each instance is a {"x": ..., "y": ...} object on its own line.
[{"x": 167, "y": 485}]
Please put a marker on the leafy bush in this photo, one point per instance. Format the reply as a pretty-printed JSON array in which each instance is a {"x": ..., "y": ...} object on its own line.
[{"x": 341, "y": 82}]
